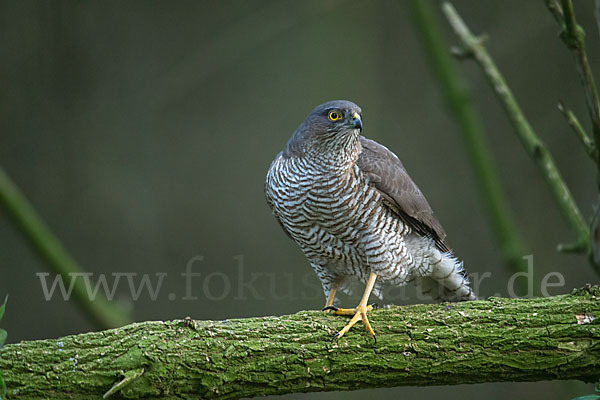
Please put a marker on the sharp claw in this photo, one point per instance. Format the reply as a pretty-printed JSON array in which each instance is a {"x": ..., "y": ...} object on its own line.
[
  {"x": 337, "y": 334},
  {"x": 375, "y": 338},
  {"x": 375, "y": 306},
  {"x": 330, "y": 308}
]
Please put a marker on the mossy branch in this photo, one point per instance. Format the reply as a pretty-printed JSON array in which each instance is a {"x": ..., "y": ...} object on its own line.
[
  {"x": 58, "y": 259},
  {"x": 473, "y": 46},
  {"x": 443, "y": 344}
]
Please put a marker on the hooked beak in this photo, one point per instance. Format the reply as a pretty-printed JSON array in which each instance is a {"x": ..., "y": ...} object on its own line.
[{"x": 356, "y": 121}]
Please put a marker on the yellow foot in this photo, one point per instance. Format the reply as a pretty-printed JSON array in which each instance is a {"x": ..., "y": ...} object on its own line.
[
  {"x": 346, "y": 311},
  {"x": 359, "y": 314}
]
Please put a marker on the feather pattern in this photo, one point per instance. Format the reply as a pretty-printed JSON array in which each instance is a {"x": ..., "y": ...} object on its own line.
[
  {"x": 388, "y": 175},
  {"x": 350, "y": 205}
]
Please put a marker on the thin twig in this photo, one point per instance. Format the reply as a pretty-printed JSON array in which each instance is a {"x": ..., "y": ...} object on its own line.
[
  {"x": 574, "y": 38},
  {"x": 556, "y": 10},
  {"x": 533, "y": 145},
  {"x": 598, "y": 15},
  {"x": 59, "y": 261},
  {"x": 128, "y": 377},
  {"x": 582, "y": 135},
  {"x": 457, "y": 100}
]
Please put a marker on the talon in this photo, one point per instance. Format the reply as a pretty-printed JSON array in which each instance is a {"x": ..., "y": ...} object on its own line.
[
  {"x": 375, "y": 306},
  {"x": 345, "y": 311},
  {"x": 374, "y": 338},
  {"x": 358, "y": 314},
  {"x": 334, "y": 337}
]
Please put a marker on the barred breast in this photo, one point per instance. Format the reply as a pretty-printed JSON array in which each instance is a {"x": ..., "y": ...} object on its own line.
[{"x": 338, "y": 220}]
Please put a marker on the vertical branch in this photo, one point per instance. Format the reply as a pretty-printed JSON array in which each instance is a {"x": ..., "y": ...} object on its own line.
[
  {"x": 59, "y": 261},
  {"x": 598, "y": 15},
  {"x": 457, "y": 100},
  {"x": 533, "y": 145},
  {"x": 574, "y": 38}
]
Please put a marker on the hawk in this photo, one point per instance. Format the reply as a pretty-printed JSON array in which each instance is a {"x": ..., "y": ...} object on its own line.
[{"x": 350, "y": 205}]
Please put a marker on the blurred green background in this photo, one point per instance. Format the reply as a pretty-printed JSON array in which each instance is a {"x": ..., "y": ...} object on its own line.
[{"x": 142, "y": 131}]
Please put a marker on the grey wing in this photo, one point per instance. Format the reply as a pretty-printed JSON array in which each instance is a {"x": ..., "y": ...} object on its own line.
[{"x": 400, "y": 193}]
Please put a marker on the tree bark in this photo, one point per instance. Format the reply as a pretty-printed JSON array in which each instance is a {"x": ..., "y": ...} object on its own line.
[{"x": 442, "y": 344}]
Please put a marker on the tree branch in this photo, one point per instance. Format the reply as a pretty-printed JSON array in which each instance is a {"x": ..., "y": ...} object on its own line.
[
  {"x": 458, "y": 101},
  {"x": 574, "y": 38},
  {"x": 533, "y": 145},
  {"x": 58, "y": 259},
  {"x": 442, "y": 344},
  {"x": 582, "y": 135},
  {"x": 598, "y": 15}
]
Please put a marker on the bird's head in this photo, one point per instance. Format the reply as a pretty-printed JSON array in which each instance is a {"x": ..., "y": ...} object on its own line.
[
  {"x": 333, "y": 128},
  {"x": 334, "y": 118}
]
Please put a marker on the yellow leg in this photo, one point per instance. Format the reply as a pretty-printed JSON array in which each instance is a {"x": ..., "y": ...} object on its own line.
[
  {"x": 360, "y": 312},
  {"x": 330, "y": 299}
]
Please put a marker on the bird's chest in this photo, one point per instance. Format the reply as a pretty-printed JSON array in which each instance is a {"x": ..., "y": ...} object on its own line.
[
  {"x": 332, "y": 199},
  {"x": 337, "y": 201}
]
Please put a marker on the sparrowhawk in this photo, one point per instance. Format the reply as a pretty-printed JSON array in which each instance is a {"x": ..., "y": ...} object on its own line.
[{"x": 350, "y": 205}]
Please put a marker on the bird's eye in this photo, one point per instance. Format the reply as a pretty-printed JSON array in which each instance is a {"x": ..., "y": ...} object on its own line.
[{"x": 334, "y": 115}]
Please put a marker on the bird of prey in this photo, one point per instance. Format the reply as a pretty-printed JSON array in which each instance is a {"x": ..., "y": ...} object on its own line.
[{"x": 350, "y": 205}]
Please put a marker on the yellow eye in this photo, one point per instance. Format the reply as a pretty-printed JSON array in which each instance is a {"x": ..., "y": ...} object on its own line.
[{"x": 334, "y": 115}]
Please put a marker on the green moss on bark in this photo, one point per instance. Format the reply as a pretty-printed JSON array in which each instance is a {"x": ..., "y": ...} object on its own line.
[{"x": 443, "y": 344}]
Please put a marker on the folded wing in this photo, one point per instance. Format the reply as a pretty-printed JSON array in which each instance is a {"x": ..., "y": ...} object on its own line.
[{"x": 400, "y": 193}]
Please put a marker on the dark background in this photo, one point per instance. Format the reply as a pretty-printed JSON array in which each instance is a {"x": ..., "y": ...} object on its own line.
[{"x": 142, "y": 131}]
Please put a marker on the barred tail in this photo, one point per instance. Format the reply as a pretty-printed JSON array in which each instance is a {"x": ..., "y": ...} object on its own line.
[
  {"x": 439, "y": 274},
  {"x": 448, "y": 271}
]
